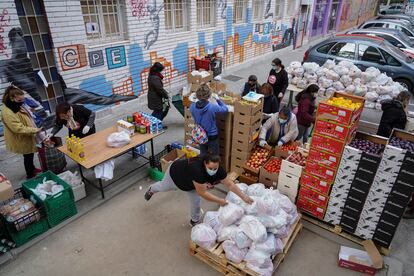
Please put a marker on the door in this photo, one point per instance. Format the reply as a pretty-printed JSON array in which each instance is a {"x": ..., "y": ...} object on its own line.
[
  {"x": 319, "y": 16},
  {"x": 370, "y": 56},
  {"x": 343, "y": 51},
  {"x": 333, "y": 18},
  {"x": 302, "y": 22}
]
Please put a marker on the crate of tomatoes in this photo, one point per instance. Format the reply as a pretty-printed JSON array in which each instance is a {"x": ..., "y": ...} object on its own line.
[{"x": 269, "y": 173}]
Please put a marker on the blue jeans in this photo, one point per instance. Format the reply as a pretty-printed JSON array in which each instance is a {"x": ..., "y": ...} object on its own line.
[{"x": 212, "y": 147}]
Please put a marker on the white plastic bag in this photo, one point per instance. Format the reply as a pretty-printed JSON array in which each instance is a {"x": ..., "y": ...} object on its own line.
[
  {"x": 302, "y": 83},
  {"x": 270, "y": 246},
  {"x": 360, "y": 90},
  {"x": 385, "y": 90},
  {"x": 241, "y": 239},
  {"x": 203, "y": 235},
  {"x": 256, "y": 189},
  {"x": 366, "y": 77},
  {"x": 338, "y": 86},
  {"x": 382, "y": 98},
  {"x": 233, "y": 252},
  {"x": 310, "y": 67},
  {"x": 369, "y": 104},
  {"x": 347, "y": 64},
  {"x": 373, "y": 71},
  {"x": 281, "y": 233},
  {"x": 252, "y": 227},
  {"x": 226, "y": 233},
  {"x": 382, "y": 79},
  {"x": 295, "y": 80},
  {"x": 233, "y": 198},
  {"x": 211, "y": 219},
  {"x": 354, "y": 72},
  {"x": 324, "y": 82},
  {"x": 332, "y": 75},
  {"x": 267, "y": 205},
  {"x": 329, "y": 64},
  {"x": 250, "y": 209},
  {"x": 286, "y": 204},
  {"x": 372, "y": 86},
  {"x": 230, "y": 213},
  {"x": 346, "y": 80},
  {"x": 243, "y": 187},
  {"x": 350, "y": 89},
  {"x": 321, "y": 72},
  {"x": 378, "y": 106},
  {"x": 357, "y": 81},
  {"x": 265, "y": 270},
  {"x": 118, "y": 139},
  {"x": 298, "y": 72},
  {"x": 256, "y": 258},
  {"x": 341, "y": 70},
  {"x": 371, "y": 96},
  {"x": 295, "y": 64},
  {"x": 329, "y": 92}
]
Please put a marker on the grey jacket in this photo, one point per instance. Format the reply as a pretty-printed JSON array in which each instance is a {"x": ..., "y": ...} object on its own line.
[
  {"x": 156, "y": 92},
  {"x": 290, "y": 129}
]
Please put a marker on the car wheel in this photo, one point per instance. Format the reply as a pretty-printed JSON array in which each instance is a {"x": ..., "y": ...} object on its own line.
[
  {"x": 406, "y": 83},
  {"x": 383, "y": 12}
]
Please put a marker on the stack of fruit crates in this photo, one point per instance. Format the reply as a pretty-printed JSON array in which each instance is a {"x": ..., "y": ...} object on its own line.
[
  {"x": 336, "y": 123},
  {"x": 246, "y": 130}
]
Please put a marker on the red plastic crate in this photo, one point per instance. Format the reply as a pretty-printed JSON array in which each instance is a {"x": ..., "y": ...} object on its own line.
[
  {"x": 314, "y": 196},
  {"x": 333, "y": 130},
  {"x": 325, "y": 158},
  {"x": 320, "y": 185},
  {"x": 202, "y": 64},
  {"x": 327, "y": 144},
  {"x": 310, "y": 208},
  {"x": 325, "y": 173}
]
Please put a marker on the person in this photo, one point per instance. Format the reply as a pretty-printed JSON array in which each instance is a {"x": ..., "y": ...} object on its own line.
[
  {"x": 158, "y": 100},
  {"x": 204, "y": 114},
  {"x": 251, "y": 85},
  {"x": 196, "y": 176},
  {"x": 20, "y": 132},
  {"x": 306, "y": 111},
  {"x": 278, "y": 78},
  {"x": 79, "y": 120},
  {"x": 283, "y": 129},
  {"x": 270, "y": 103},
  {"x": 394, "y": 114}
]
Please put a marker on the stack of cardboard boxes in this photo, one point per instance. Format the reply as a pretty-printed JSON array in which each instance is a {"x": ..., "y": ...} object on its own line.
[
  {"x": 225, "y": 128},
  {"x": 334, "y": 127},
  {"x": 246, "y": 128}
]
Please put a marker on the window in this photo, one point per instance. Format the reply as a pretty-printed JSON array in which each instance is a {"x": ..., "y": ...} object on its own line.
[
  {"x": 404, "y": 30},
  {"x": 291, "y": 5},
  {"x": 258, "y": 7},
  {"x": 379, "y": 25},
  {"x": 324, "y": 49},
  {"x": 206, "y": 13},
  {"x": 278, "y": 8},
  {"x": 344, "y": 50},
  {"x": 391, "y": 40},
  {"x": 369, "y": 53},
  {"x": 103, "y": 19},
  {"x": 176, "y": 15},
  {"x": 239, "y": 11},
  {"x": 368, "y": 25},
  {"x": 390, "y": 59}
]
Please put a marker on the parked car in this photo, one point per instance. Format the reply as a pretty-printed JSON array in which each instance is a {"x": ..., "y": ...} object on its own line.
[
  {"x": 365, "y": 51},
  {"x": 395, "y": 37},
  {"x": 396, "y": 8},
  {"x": 398, "y": 16},
  {"x": 389, "y": 24}
]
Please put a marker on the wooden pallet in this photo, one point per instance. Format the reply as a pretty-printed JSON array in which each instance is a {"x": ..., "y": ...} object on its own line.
[
  {"x": 216, "y": 257},
  {"x": 337, "y": 229}
]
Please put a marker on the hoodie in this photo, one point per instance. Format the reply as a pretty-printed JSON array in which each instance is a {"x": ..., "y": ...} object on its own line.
[
  {"x": 306, "y": 108},
  {"x": 393, "y": 116},
  {"x": 204, "y": 114}
]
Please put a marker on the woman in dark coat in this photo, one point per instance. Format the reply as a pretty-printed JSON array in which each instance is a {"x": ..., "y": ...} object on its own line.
[
  {"x": 251, "y": 85},
  {"x": 306, "y": 109},
  {"x": 270, "y": 103},
  {"x": 393, "y": 115},
  {"x": 158, "y": 100},
  {"x": 278, "y": 78}
]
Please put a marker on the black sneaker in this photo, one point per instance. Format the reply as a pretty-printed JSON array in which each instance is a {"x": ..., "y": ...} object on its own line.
[
  {"x": 164, "y": 127},
  {"x": 148, "y": 194},
  {"x": 194, "y": 223}
]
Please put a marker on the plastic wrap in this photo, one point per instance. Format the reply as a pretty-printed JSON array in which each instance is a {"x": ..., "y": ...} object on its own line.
[
  {"x": 241, "y": 239},
  {"x": 118, "y": 139},
  {"x": 252, "y": 227},
  {"x": 256, "y": 189},
  {"x": 233, "y": 252},
  {"x": 226, "y": 233},
  {"x": 203, "y": 235}
]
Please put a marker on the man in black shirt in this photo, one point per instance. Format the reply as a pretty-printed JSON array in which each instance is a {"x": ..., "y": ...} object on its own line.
[{"x": 194, "y": 177}]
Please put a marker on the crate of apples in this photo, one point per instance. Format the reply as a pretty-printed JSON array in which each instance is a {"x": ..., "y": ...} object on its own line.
[
  {"x": 289, "y": 147},
  {"x": 273, "y": 166},
  {"x": 258, "y": 158},
  {"x": 298, "y": 158}
]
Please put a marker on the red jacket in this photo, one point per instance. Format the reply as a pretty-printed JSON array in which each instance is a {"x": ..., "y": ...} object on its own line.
[{"x": 306, "y": 108}]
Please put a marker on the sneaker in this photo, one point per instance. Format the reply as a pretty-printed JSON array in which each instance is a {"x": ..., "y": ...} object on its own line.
[
  {"x": 164, "y": 127},
  {"x": 148, "y": 194},
  {"x": 194, "y": 223}
]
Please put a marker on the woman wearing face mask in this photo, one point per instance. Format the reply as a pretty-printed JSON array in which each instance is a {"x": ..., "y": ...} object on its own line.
[
  {"x": 306, "y": 109},
  {"x": 283, "y": 126},
  {"x": 394, "y": 114},
  {"x": 251, "y": 85},
  {"x": 79, "y": 120},
  {"x": 195, "y": 176},
  {"x": 158, "y": 100},
  {"x": 20, "y": 131},
  {"x": 278, "y": 78}
]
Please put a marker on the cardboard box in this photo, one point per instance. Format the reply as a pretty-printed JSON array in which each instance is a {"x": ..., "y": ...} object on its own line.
[
  {"x": 291, "y": 167},
  {"x": 198, "y": 79},
  {"x": 368, "y": 261},
  {"x": 333, "y": 130},
  {"x": 315, "y": 183},
  {"x": 327, "y": 144},
  {"x": 256, "y": 171},
  {"x": 267, "y": 178},
  {"x": 340, "y": 114},
  {"x": 244, "y": 110},
  {"x": 248, "y": 179},
  {"x": 241, "y": 143},
  {"x": 325, "y": 173},
  {"x": 6, "y": 189},
  {"x": 324, "y": 158},
  {"x": 314, "y": 196},
  {"x": 288, "y": 185},
  {"x": 247, "y": 129},
  {"x": 217, "y": 86},
  {"x": 170, "y": 157},
  {"x": 310, "y": 208}
]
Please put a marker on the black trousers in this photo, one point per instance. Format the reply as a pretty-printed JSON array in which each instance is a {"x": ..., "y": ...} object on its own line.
[{"x": 29, "y": 164}]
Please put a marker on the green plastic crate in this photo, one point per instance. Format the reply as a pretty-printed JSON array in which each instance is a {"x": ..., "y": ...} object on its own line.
[
  {"x": 58, "y": 207},
  {"x": 30, "y": 232}
]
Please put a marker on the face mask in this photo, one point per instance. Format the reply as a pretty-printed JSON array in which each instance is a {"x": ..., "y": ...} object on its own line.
[
  {"x": 273, "y": 67},
  {"x": 282, "y": 121},
  {"x": 211, "y": 172}
]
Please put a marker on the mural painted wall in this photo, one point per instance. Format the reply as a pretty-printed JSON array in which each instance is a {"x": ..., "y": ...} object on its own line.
[
  {"x": 354, "y": 12},
  {"x": 82, "y": 70}
]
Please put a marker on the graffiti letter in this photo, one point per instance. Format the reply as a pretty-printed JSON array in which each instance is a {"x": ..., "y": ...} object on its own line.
[
  {"x": 115, "y": 57},
  {"x": 72, "y": 57},
  {"x": 69, "y": 58},
  {"x": 96, "y": 58}
]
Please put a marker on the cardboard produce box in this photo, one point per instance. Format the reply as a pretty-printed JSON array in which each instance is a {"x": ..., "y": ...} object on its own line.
[
  {"x": 288, "y": 185},
  {"x": 170, "y": 157},
  {"x": 327, "y": 144},
  {"x": 325, "y": 173},
  {"x": 315, "y": 183},
  {"x": 324, "y": 158},
  {"x": 197, "y": 79},
  {"x": 314, "y": 196},
  {"x": 292, "y": 168},
  {"x": 269, "y": 179},
  {"x": 333, "y": 130},
  {"x": 368, "y": 261},
  {"x": 242, "y": 110},
  {"x": 6, "y": 188},
  {"x": 257, "y": 158},
  {"x": 248, "y": 178},
  {"x": 310, "y": 208}
]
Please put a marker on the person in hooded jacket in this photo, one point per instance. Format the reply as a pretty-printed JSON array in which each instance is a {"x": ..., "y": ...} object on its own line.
[
  {"x": 158, "y": 100},
  {"x": 278, "y": 78},
  {"x": 394, "y": 114},
  {"x": 270, "y": 103},
  {"x": 306, "y": 111},
  {"x": 251, "y": 85},
  {"x": 283, "y": 127},
  {"x": 204, "y": 114}
]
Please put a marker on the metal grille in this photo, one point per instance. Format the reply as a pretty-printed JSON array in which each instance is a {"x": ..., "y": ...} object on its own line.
[
  {"x": 103, "y": 20},
  {"x": 176, "y": 15},
  {"x": 206, "y": 13},
  {"x": 239, "y": 11},
  {"x": 258, "y": 7}
]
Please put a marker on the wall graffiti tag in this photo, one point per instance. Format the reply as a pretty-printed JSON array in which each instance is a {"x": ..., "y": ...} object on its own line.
[
  {"x": 267, "y": 11},
  {"x": 152, "y": 36},
  {"x": 4, "y": 22},
  {"x": 223, "y": 8},
  {"x": 139, "y": 8}
]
